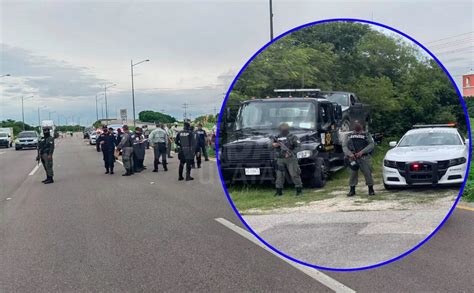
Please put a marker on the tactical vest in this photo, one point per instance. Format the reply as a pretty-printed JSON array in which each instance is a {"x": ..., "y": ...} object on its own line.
[{"x": 357, "y": 141}]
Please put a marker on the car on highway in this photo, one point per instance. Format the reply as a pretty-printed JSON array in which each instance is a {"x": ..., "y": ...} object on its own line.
[
  {"x": 5, "y": 140},
  {"x": 93, "y": 138},
  {"x": 427, "y": 155},
  {"x": 26, "y": 139}
]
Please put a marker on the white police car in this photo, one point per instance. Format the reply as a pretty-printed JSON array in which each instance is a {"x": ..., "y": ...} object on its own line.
[{"x": 426, "y": 155}]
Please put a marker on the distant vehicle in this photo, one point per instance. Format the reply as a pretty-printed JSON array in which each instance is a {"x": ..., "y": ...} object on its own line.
[
  {"x": 426, "y": 155},
  {"x": 6, "y": 137},
  {"x": 93, "y": 138},
  {"x": 26, "y": 139},
  {"x": 115, "y": 127},
  {"x": 86, "y": 132}
]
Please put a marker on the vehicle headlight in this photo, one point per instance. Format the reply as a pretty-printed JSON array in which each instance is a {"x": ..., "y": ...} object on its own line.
[
  {"x": 303, "y": 154},
  {"x": 390, "y": 164},
  {"x": 457, "y": 161}
]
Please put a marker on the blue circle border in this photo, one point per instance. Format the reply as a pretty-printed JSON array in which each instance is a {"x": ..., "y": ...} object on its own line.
[{"x": 222, "y": 111}]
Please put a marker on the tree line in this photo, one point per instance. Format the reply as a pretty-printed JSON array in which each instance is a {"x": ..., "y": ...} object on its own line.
[{"x": 402, "y": 85}]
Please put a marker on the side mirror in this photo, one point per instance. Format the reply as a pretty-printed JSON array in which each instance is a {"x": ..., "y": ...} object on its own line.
[{"x": 392, "y": 144}]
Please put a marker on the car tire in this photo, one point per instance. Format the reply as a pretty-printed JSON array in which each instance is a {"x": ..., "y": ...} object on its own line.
[{"x": 318, "y": 179}]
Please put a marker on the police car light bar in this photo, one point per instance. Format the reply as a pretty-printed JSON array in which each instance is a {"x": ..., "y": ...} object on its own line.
[
  {"x": 296, "y": 90},
  {"x": 451, "y": 124}
]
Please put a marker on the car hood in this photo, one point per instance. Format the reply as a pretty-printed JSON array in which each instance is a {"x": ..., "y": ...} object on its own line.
[
  {"x": 426, "y": 153},
  {"x": 264, "y": 139}
]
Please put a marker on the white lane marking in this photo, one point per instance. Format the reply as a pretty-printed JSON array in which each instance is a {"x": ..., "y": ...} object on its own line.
[
  {"x": 120, "y": 162},
  {"x": 8, "y": 198},
  {"x": 313, "y": 273},
  {"x": 34, "y": 169}
]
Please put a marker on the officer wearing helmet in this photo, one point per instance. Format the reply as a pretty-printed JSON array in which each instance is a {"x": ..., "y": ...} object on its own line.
[
  {"x": 185, "y": 140},
  {"x": 285, "y": 145},
  {"x": 45, "y": 154},
  {"x": 357, "y": 147}
]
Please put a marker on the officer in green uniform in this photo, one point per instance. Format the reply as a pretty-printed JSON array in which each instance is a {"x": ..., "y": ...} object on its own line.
[
  {"x": 285, "y": 145},
  {"x": 45, "y": 154},
  {"x": 357, "y": 147}
]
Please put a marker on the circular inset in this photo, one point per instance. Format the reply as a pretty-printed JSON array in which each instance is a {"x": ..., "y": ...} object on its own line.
[{"x": 318, "y": 72}]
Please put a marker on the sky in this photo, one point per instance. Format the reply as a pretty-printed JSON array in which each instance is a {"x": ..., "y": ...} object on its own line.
[{"x": 60, "y": 54}]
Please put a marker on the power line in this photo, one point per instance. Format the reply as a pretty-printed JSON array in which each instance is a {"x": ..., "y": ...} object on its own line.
[
  {"x": 450, "y": 37},
  {"x": 454, "y": 43}
]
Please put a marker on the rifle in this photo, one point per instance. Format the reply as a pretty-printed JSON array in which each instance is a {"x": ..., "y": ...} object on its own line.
[{"x": 288, "y": 153}]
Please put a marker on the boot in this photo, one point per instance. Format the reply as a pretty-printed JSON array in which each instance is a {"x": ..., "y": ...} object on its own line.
[
  {"x": 165, "y": 167},
  {"x": 128, "y": 173},
  {"x": 189, "y": 178},
  {"x": 50, "y": 180},
  {"x": 45, "y": 179},
  {"x": 111, "y": 171},
  {"x": 371, "y": 190},
  {"x": 279, "y": 192},
  {"x": 299, "y": 191},
  {"x": 180, "y": 172},
  {"x": 107, "y": 171},
  {"x": 155, "y": 166},
  {"x": 188, "y": 174},
  {"x": 352, "y": 192}
]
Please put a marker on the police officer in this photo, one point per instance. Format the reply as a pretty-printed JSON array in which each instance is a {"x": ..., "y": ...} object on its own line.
[
  {"x": 186, "y": 142},
  {"x": 285, "y": 145},
  {"x": 139, "y": 150},
  {"x": 158, "y": 141},
  {"x": 201, "y": 137},
  {"x": 126, "y": 146},
  {"x": 357, "y": 147},
  {"x": 45, "y": 154},
  {"x": 107, "y": 145}
]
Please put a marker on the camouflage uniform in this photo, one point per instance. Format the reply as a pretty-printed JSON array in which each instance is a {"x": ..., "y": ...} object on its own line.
[
  {"x": 287, "y": 161},
  {"x": 45, "y": 150},
  {"x": 360, "y": 142}
]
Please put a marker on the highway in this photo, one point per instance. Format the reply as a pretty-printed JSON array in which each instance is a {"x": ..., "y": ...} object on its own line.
[{"x": 149, "y": 232}]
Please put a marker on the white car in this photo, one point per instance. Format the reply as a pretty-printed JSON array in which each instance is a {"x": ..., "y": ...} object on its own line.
[
  {"x": 93, "y": 138},
  {"x": 426, "y": 155}
]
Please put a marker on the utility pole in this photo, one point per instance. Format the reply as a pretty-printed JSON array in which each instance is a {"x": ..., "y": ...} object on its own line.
[
  {"x": 185, "y": 105},
  {"x": 271, "y": 20},
  {"x": 133, "y": 89},
  {"x": 22, "y": 112},
  {"x": 96, "y": 109}
]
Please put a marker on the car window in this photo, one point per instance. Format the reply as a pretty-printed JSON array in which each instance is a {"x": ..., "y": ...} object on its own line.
[{"x": 430, "y": 138}]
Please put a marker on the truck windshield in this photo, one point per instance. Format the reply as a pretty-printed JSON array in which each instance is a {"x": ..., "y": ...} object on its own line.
[
  {"x": 340, "y": 98},
  {"x": 3, "y": 135},
  {"x": 269, "y": 115},
  {"x": 427, "y": 139}
]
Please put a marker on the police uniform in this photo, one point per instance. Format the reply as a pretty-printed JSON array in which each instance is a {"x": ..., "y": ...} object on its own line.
[
  {"x": 108, "y": 150},
  {"x": 139, "y": 147},
  {"x": 158, "y": 139},
  {"x": 359, "y": 142},
  {"x": 45, "y": 154},
  {"x": 201, "y": 146},
  {"x": 126, "y": 146},
  {"x": 186, "y": 142},
  {"x": 287, "y": 161}
]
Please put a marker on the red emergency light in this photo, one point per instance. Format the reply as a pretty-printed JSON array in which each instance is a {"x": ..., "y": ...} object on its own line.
[{"x": 415, "y": 167}]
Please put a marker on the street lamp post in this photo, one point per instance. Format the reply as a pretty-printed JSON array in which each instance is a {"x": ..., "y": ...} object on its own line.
[
  {"x": 23, "y": 110},
  {"x": 133, "y": 90},
  {"x": 96, "y": 109},
  {"x": 271, "y": 20}
]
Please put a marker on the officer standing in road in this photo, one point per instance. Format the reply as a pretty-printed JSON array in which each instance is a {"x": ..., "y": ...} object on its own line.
[
  {"x": 45, "y": 154},
  {"x": 201, "y": 137},
  {"x": 107, "y": 145},
  {"x": 126, "y": 146},
  {"x": 171, "y": 135},
  {"x": 186, "y": 143},
  {"x": 139, "y": 149},
  {"x": 158, "y": 140},
  {"x": 285, "y": 145},
  {"x": 357, "y": 147}
]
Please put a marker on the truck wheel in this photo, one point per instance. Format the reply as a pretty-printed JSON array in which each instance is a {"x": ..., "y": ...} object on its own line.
[
  {"x": 319, "y": 177},
  {"x": 345, "y": 125}
]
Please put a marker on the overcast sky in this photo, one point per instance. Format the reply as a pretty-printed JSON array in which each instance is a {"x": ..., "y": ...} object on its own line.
[{"x": 63, "y": 52}]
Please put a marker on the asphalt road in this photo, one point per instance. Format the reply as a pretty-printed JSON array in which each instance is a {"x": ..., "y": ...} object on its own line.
[{"x": 95, "y": 232}]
